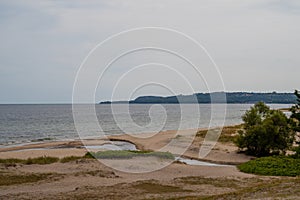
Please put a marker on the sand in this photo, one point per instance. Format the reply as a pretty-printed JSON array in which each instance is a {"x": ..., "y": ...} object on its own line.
[
  {"x": 92, "y": 179},
  {"x": 177, "y": 142}
]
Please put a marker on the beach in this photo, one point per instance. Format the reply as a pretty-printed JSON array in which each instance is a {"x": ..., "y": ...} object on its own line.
[
  {"x": 84, "y": 178},
  {"x": 224, "y": 153}
]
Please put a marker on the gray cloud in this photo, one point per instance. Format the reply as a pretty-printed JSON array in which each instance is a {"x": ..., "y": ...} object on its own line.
[{"x": 255, "y": 43}]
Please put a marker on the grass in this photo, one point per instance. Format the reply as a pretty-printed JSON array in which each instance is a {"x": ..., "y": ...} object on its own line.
[
  {"x": 89, "y": 155},
  {"x": 272, "y": 166},
  {"x": 39, "y": 160},
  {"x": 101, "y": 154},
  {"x": 228, "y": 133},
  {"x": 273, "y": 189},
  {"x": 11, "y": 161},
  {"x": 99, "y": 173},
  {"x": 12, "y": 179},
  {"x": 125, "y": 154},
  {"x": 70, "y": 159},
  {"x": 157, "y": 188},
  {"x": 196, "y": 180}
]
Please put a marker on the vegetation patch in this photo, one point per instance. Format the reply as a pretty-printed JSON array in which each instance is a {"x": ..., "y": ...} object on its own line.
[
  {"x": 272, "y": 166},
  {"x": 69, "y": 159},
  {"x": 12, "y": 179},
  {"x": 41, "y": 160},
  {"x": 266, "y": 132},
  {"x": 228, "y": 134},
  {"x": 11, "y": 161},
  {"x": 125, "y": 154},
  {"x": 98, "y": 173},
  {"x": 195, "y": 180},
  {"x": 157, "y": 188},
  {"x": 90, "y": 155},
  {"x": 287, "y": 188}
]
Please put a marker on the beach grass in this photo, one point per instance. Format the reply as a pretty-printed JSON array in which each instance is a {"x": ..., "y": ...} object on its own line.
[
  {"x": 127, "y": 154},
  {"x": 70, "y": 159},
  {"x": 43, "y": 160},
  {"x": 123, "y": 154},
  {"x": 13, "y": 179},
  {"x": 283, "y": 188},
  {"x": 228, "y": 133},
  {"x": 11, "y": 161},
  {"x": 155, "y": 187},
  {"x": 196, "y": 180},
  {"x": 98, "y": 173}
]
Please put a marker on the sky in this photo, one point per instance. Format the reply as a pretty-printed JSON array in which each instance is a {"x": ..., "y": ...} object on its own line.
[{"x": 254, "y": 43}]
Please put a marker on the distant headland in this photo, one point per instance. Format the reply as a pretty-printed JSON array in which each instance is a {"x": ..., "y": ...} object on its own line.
[{"x": 215, "y": 97}]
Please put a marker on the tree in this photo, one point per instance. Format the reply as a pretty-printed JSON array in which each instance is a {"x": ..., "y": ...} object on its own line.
[
  {"x": 295, "y": 117},
  {"x": 296, "y": 112},
  {"x": 265, "y": 131}
]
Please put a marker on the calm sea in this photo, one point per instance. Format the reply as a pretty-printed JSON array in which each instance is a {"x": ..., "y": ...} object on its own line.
[{"x": 32, "y": 123}]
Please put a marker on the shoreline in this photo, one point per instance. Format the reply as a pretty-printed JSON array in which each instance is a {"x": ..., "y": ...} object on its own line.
[
  {"x": 221, "y": 153},
  {"x": 85, "y": 178}
]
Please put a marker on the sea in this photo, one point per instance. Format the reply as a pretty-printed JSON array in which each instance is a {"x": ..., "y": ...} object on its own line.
[{"x": 30, "y": 123}]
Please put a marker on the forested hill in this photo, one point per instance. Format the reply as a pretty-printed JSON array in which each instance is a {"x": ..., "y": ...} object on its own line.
[{"x": 216, "y": 97}]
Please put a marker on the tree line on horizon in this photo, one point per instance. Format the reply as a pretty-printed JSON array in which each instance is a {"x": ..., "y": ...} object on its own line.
[{"x": 216, "y": 97}]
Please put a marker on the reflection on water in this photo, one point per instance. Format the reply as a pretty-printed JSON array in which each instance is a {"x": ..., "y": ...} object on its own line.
[
  {"x": 199, "y": 163},
  {"x": 112, "y": 145}
]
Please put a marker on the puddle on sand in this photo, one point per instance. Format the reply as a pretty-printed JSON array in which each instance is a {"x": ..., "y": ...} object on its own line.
[
  {"x": 199, "y": 163},
  {"x": 112, "y": 145}
]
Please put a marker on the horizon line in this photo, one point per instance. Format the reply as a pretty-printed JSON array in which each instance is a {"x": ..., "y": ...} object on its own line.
[{"x": 68, "y": 103}]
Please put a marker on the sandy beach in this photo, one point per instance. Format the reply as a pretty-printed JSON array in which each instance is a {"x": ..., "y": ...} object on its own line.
[{"x": 90, "y": 179}]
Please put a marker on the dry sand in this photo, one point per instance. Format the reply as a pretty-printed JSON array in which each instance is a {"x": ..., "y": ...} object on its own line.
[{"x": 91, "y": 179}]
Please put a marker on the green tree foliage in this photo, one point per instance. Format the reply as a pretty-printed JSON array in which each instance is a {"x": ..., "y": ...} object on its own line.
[
  {"x": 296, "y": 112},
  {"x": 295, "y": 117},
  {"x": 265, "y": 131}
]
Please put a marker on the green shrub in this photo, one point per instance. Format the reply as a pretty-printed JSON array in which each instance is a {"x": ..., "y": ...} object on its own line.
[
  {"x": 265, "y": 131},
  {"x": 272, "y": 166}
]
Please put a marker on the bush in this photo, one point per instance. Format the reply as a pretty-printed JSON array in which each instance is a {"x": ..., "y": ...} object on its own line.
[
  {"x": 265, "y": 131},
  {"x": 272, "y": 166},
  {"x": 295, "y": 120},
  {"x": 297, "y": 152}
]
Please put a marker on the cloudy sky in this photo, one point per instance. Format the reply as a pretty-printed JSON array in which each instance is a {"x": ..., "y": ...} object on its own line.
[{"x": 255, "y": 43}]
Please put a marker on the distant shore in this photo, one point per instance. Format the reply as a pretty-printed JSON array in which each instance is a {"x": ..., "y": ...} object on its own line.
[{"x": 214, "y": 98}]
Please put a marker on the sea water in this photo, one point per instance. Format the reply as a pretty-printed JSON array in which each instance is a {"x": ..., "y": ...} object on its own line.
[{"x": 34, "y": 123}]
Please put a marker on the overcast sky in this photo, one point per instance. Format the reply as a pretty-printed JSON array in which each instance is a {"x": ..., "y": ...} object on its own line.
[{"x": 255, "y": 43}]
